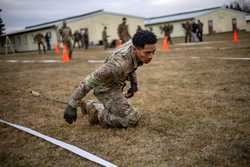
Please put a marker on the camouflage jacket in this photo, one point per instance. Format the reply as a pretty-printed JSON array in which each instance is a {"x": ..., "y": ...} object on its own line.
[
  {"x": 39, "y": 38},
  {"x": 116, "y": 70},
  {"x": 123, "y": 32},
  {"x": 66, "y": 34}
]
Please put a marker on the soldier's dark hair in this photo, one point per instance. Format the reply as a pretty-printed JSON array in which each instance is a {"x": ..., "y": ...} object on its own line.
[{"x": 141, "y": 38}]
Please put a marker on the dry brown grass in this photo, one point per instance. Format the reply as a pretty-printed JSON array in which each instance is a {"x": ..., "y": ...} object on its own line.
[{"x": 195, "y": 111}]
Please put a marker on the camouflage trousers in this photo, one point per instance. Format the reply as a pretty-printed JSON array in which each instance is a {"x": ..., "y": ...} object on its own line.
[
  {"x": 68, "y": 44},
  {"x": 114, "y": 110}
]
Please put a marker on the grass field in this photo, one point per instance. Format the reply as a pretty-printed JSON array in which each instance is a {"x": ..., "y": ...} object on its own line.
[{"x": 195, "y": 102}]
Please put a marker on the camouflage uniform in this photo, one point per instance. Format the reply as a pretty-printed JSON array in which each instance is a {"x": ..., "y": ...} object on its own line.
[
  {"x": 188, "y": 34},
  {"x": 105, "y": 38},
  {"x": 39, "y": 38},
  {"x": 138, "y": 28},
  {"x": 123, "y": 32},
  {"x": 200, "y": 30},
  {"x": 108, "y": 82},
  {"x": 168, "y": 29},
  {"x": 66, "y": 34},
  {"x": 77, "y": 39}
]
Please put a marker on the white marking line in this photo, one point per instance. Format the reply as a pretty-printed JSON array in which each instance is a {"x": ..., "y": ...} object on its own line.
[
  {"x": 32, "y": 61},
  {"x": 66, "y": 146},
  {"x": 12, "y": 61},
  {"x": 27, "y": 61},
  {"x": 195, "y": 57},
  {"x": 198, "y": 43},
  {"x": 225, "y": 58},
  {"x": 95, "y": 61},
  {"x": 50, "y": 61},
  {"x": 233, "y": 58}
]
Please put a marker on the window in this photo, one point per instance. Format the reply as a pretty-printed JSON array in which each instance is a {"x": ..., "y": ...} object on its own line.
[{"x": 210, "y": 27}]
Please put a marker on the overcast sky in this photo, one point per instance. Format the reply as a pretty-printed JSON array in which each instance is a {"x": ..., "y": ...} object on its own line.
[{"x": 17, "y": 14}]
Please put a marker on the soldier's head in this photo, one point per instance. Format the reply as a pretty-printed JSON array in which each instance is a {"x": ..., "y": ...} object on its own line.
[
  {"x": 64, "y": 23},
  {"x": 124, "y": 19},
  {"x": 144, "y": 43}
]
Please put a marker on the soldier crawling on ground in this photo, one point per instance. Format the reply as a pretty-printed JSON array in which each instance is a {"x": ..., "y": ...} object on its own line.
[{"x": 112, "y": 108}]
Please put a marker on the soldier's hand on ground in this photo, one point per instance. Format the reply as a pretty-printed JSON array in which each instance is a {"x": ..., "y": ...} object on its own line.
[
  {"x": 70, "y": 114},
  {"x": 129, "y": 93}
]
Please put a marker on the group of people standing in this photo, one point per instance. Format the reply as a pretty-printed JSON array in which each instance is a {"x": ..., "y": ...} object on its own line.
[
  {"x": 167, "y": 29},
  {"x": 193, "y": 31},
  {"x": 79, "y": 37},
  {"x": 122, "y": 32}
]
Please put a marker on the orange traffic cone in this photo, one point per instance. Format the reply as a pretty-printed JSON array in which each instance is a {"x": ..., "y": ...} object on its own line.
[
  {"x": 65, "y": 57},
  {"x": 165, "y": 45},
  {"x": 118, "y": 43},
  {"x": 56, "y": 49},
  {"x": 235, "y": 37}
]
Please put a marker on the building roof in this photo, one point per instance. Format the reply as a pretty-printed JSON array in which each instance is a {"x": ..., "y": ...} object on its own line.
[
  {"x": 73, "y": 18},
  {"x": 179, "y": 16},
  {"x": 67, "y": 19},
  {"x": 30, "y": 30},
  {"x": 53, "y": 24}
]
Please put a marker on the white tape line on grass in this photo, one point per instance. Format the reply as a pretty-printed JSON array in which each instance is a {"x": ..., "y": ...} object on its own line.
[
  {"x": 66, "y": 146},
  {"x": 234, "y": 58},
  {"x": 12, "y": 61},
  {"x": 33, "y": 61},
  {"x": 95, "y": 61},
  {"x": 195, "y": 57},
  {"x": 225, "y": 58}
]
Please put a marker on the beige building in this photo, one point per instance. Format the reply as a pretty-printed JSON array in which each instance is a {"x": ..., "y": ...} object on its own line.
[
  {"x": 248, "y": 22},
  {"x": 94, "y": 21},
  {"x": 215, "y": 20},
  {"x": 24, "y": 40}
]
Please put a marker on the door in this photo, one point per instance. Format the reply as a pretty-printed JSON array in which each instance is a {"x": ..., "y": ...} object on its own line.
[
  {"x": 234, "y": 24},
  {"x": 210, "y": 27}
]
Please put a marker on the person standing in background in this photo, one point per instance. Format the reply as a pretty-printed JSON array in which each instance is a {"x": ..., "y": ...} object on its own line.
[{"x": 123, "y": 32}]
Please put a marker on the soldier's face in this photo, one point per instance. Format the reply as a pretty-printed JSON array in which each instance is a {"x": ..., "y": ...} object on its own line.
[{"x": 146, "y": 54}]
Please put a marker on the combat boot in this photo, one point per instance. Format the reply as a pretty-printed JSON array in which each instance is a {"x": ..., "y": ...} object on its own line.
[{"x": 92, "y": 115}]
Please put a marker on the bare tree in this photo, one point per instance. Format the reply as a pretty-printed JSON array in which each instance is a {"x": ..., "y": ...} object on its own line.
[
  {"x": 2, "y": 25},
  {"x": 241, "y": 5}
]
